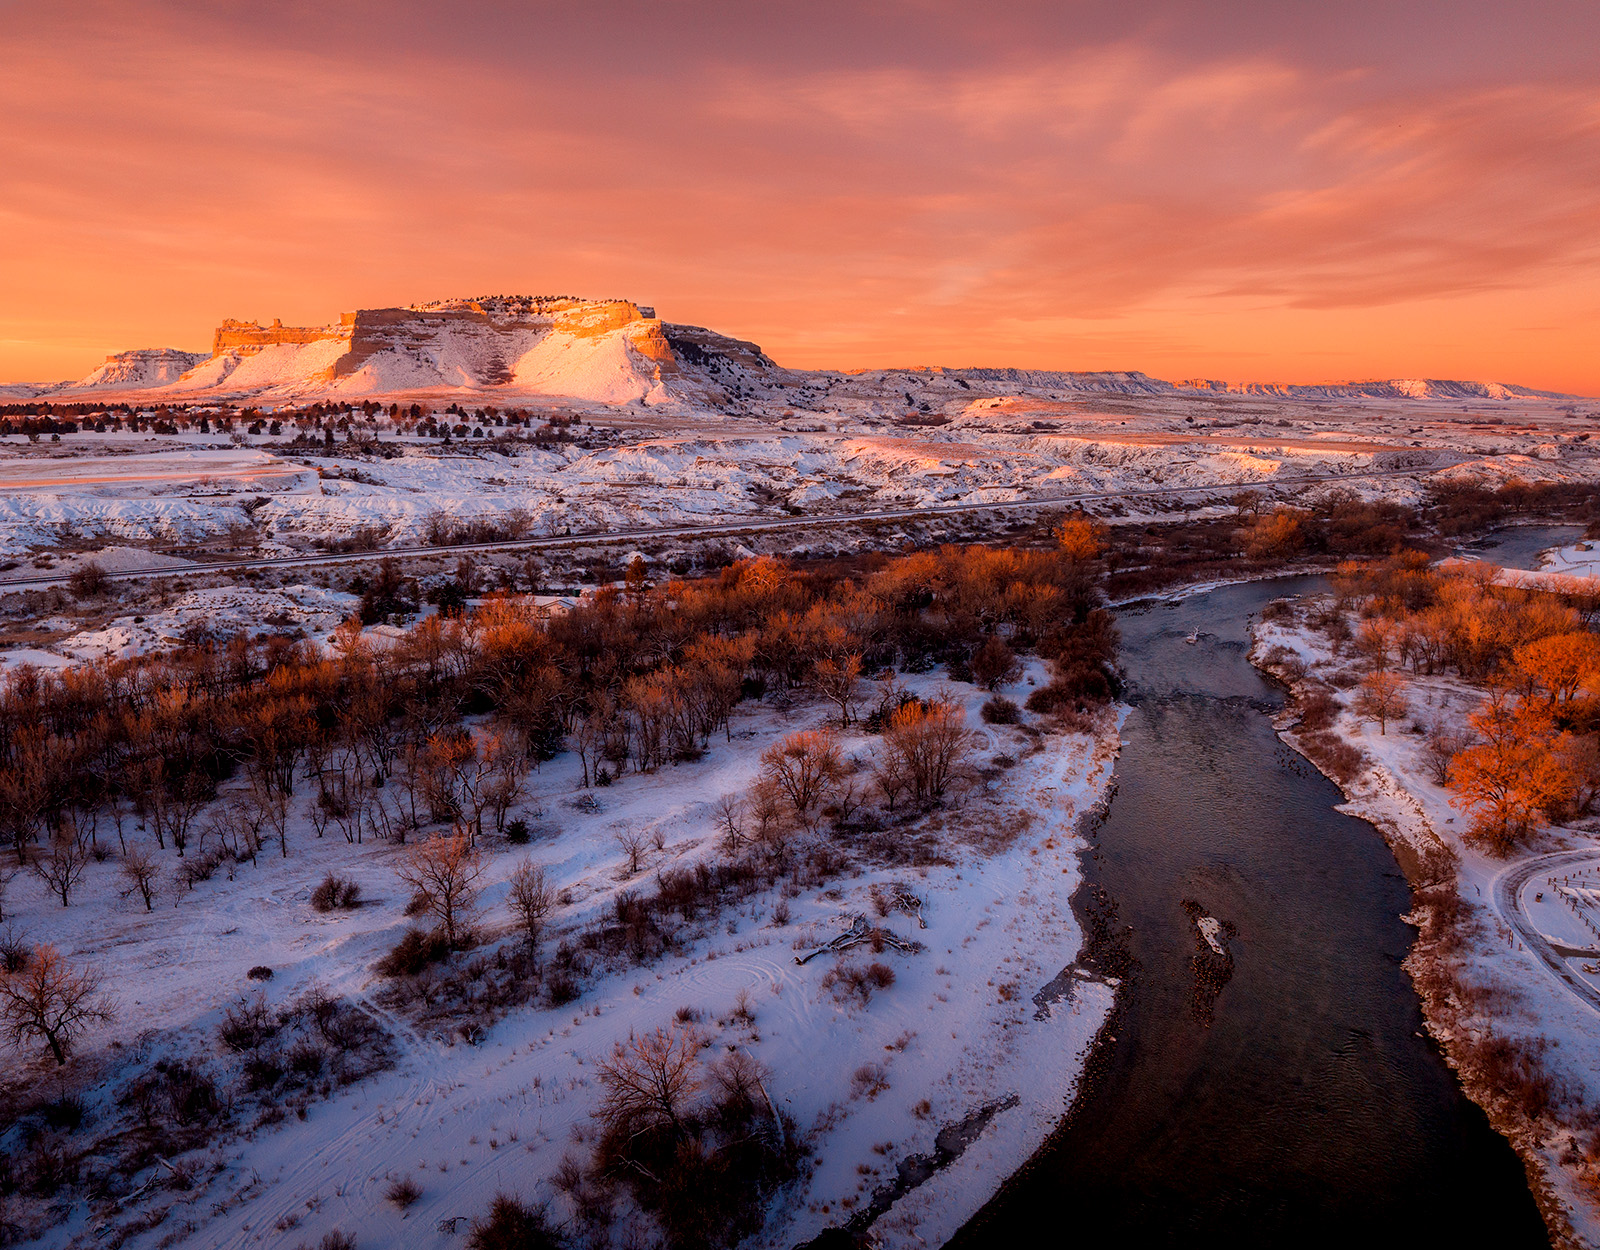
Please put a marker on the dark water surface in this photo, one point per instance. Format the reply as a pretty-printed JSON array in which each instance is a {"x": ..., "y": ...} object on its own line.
[
  {"x": 1518, "y": 546},
  {"x": 1310, "y": 1109}
]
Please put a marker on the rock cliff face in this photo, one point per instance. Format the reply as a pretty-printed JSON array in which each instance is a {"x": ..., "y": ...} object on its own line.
[{"x": 613, "y": 351}]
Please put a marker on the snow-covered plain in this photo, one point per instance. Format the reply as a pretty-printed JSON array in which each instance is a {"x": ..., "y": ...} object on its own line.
[
  {"x": 662, "y": 469},
  {"x": 982, "y": 1018}
]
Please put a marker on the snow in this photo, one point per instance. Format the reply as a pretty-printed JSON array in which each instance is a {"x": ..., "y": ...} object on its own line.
[
  {"x": 963, "y": 1027},
  {"x": 1578, "y": 560}
]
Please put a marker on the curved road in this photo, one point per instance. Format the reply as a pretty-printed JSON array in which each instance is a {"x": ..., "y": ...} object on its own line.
[
  {"x": 707, "y": 530},
  {"x": 1507, "y": 900}
]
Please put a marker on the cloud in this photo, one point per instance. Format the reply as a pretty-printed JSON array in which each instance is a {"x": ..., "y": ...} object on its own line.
[{"x": 935, "y": 185}]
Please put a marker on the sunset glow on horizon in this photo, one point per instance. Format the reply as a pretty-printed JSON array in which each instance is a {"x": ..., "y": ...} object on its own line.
[{"x": 1243, "y": 191}]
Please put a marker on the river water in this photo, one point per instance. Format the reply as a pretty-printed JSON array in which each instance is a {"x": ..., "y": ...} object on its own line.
[{"x": 1283, "y": 1095}]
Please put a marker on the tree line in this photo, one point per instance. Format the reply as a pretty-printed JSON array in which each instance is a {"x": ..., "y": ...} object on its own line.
[{"x": 1531, "y": 750}]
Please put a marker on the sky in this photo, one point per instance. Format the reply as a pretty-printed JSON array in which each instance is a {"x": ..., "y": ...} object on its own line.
[{"x": 1261, "y": 190}]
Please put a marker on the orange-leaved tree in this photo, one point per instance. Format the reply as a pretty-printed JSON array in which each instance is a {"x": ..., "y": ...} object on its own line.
[
  {"x": 1080, "y": 537},
  {"x": 805, "y": 767},
  {"x": 1558, "y": 666},
  {"x": 1515, "y": 772}
]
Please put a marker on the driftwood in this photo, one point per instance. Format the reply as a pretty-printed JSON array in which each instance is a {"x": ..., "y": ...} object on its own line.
[
  {"x": 909, "y": 903},
  {"x": 860, "y": 931}
]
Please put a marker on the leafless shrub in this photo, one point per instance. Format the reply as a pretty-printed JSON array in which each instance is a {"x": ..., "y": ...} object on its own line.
[
  {"x": 1000, "y": 710},
  {"x": 336, "y": 1240},
  {"x": 247, "y": 1025},
  {"x": 851, "y": 982},
  {"x": 512, "y": 1224},
  {"x": 532, "y": 898},
  {"x": 336, "y": 893},
  {"x": 632, "y": 844},
  {"x": 868, "y": 1081},
  {"x": 412, "y": 953},
  {"x": 1318, "y": 708},
  {"x": 1333, "y": 755},
  {"x": 89, "y": 580},
  {"x": 16, "y": 952},
  {"x": 648, "y": 1082},
  {"x": 403, "y": 1192},
  {"x": 1516, "y": 1071}
]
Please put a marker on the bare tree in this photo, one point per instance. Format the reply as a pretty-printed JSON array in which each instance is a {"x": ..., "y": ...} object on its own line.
[
  {"x": 594, "y": 736},
  {"x": 53, "y": 1001},
  {"x": 805, "y": 766},
  {"x": 1439, "y": 748},
  {"x": 236, "y": 825},
  {"x": 143, "y": 875},
  {"x": 444, "y": 872},
  {"x": 632, "y": 843},
  {"x": 61, "y": 868},
  {"x": 728, "y": 811},
  {"x": 836, "y": 675},
  {"x": 648, "y": 1081},
  {"x": 532, "y": 898},
  {"x": 7, "y": 876},
  {"x": 505, "y": 782},
  {"x": 272, "y": 812},
  {"x": 1382, "y": 698},
  {"x": 924, "y": 748}
]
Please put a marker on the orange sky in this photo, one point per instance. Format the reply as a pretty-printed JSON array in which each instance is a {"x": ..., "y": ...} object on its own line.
[{"x": 1273, "y": 190}]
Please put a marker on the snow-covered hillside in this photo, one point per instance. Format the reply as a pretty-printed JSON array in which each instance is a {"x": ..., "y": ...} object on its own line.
[{"x": 142, "y": 367}]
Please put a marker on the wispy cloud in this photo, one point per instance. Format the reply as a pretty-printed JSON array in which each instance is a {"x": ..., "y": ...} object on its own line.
[{"x": 1152, "y": 183}]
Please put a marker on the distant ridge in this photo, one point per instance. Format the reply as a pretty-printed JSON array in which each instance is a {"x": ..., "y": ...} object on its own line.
[
  {"x": 1391, "y": 388},
  {"x": 607, "y": 352}
]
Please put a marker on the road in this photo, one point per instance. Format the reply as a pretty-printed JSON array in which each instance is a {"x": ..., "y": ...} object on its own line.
[
  {"x": 708, "y": 530},
  {"x": 1507, "y": 900}
]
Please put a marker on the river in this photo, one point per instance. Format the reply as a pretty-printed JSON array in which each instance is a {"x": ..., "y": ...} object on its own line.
[{"x": 1285, "y": 1094}]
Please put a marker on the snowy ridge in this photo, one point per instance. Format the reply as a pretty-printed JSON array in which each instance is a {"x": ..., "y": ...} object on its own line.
[
  {"x": 142, "y": 367},
  {"x": 615, "y": 352},
  {"x": 1393, "y": 388}
]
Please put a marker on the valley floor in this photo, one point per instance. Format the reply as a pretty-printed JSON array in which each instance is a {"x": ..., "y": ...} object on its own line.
[{"x": 991, "y": 1015}]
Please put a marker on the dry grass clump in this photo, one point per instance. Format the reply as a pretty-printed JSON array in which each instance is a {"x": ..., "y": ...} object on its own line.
[
  {"x": 852, "y": 983},
  {"x": 512, "y": 1224},
  {"x": 414, "y": 952},
  {"x": 1333, "y": 755}
]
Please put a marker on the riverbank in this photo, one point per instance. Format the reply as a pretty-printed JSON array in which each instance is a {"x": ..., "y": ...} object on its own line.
[{"x": 1521, "y": 1043}]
